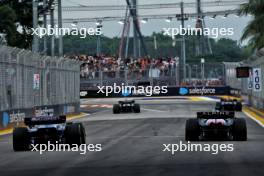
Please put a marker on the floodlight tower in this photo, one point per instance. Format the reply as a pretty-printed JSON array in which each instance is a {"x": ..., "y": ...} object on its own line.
[
  {"x": 199, "y": 25},
  {"x": 137, "y": 36},
  {"x": 203, "y": 45},
  {"x": 135, "y": 22}
]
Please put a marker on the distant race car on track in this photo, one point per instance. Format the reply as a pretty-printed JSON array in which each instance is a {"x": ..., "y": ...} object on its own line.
[
  {"x": 40, "y": 130},
  {"x": 228, "y": 105},
  {"x": 126, "y": 106},
  {"x": 215, "y": 125}
]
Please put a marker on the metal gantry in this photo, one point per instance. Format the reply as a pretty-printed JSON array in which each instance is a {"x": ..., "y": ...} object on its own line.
[
  {"x": 150, "y": 16},
  {"x": 202, "y": 46},
  {"x": 222, "y": 3}
]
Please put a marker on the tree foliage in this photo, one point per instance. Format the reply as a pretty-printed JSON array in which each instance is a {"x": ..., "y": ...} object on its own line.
[
  {"x": 7, "y": 23},
  {"x": 16, "y": 15},
  {"x": 254, "y": 32},
  {"x": 223, "y": 49}
]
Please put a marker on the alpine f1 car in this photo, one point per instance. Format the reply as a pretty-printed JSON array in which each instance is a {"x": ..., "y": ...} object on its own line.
[
  {"x": 228, "y": 105},
  {"x": 216, "y": 125},
  {"x": 126, "y": 106},
  {"x": 40, "y": 130}
]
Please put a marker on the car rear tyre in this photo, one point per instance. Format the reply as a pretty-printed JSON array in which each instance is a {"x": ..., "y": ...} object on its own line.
[
  {"x": 21, "y": 139},
  {"x": 240, "y": 130},
  {"x": 83, "y": 134},
  {"x": 192, "y": 130},
  {"x": 239, "y": 106},
  {"x": 75, "y": 134},
  {"x": 116, "y": 109},
  {"x": 136, "y": 108}
]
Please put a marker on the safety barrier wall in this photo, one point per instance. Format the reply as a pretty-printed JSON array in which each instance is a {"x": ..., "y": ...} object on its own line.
[
  {"x": 252, "y": 96},
  {"x": 29, "y": 80},
  {"x": 230, "y": 72}
]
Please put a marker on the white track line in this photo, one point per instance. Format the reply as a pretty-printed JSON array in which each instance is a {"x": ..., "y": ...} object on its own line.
[
  {"x": 154, "y": 110},
  {"x": 127, "y": 136}
]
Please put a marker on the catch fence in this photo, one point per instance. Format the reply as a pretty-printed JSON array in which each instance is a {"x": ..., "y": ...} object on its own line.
[
  {"x": 30, "y": 80},
  {"x": 251, "y": 88}
]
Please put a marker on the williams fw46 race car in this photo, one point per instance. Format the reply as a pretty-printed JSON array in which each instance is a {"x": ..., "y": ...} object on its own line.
[
  {"x": 216, "y": 125},
  {"x": 40, "y": 130},
  {"x": 228, "y": 105},
  {"x": 126, "y": 106}
]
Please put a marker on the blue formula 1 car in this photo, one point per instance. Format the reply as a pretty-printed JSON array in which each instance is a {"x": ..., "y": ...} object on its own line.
[
  {"x": 228, "y": 105},
  {"x": 126, "y": 107},
  {"x": 42, "y": 129},
  {"x": 216, "y": 125}
]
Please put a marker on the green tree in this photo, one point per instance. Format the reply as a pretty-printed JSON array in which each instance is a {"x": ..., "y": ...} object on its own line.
[
  {"x": 254, "y": 31},
  {"x": 223, "y": 49},
  {"x": 7, "y": 24},
  {"x": 21, "y": 12}
]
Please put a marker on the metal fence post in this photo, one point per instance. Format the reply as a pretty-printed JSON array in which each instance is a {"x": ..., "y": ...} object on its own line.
[
  {"x": 101, "y": 77},
  {"x": 126, "y": 76}
]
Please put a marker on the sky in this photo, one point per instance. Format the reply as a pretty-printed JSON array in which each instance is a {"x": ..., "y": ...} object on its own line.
[{"x": 155, "y": 25}]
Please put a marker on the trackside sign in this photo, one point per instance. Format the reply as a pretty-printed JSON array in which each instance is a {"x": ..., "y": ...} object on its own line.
[
  {"x": 202, "y": 91},
  {"x": 170, "y": 91},
  {"x": 197, "y": 91},
  {"x": 257, "y": 84}
]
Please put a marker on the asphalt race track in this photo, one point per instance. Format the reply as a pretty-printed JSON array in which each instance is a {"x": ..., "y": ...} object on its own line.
[{"x": 133, "y": 145}]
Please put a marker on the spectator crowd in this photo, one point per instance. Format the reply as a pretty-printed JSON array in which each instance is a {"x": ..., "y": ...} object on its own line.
[
  {"x": 92, "y": 65},
  {"x": 198, "y": 82},
  {"x": 114, "y": 67}
]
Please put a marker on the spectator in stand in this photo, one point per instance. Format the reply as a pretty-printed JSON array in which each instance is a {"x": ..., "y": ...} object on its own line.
[{"x": 136, "y": 68}]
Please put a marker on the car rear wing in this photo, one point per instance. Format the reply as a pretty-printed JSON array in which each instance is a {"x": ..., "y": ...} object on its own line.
[
  {"x": 229, "y": 103},
  {"x": 44, "y": 120},
  {"x": 215, "y": 115},
  {"x": 127, "y": 102}
]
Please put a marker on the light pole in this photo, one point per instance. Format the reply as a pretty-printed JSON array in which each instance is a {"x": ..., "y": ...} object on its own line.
[
  {"x": 52, "y": 45},
  {"x": 188, "y": 67},
  {"x": 183, "y": 48},
  {"x": 196, "y": 71},
  {"x": 60, "y": 26},
  {"x": 35, "y": 43},
  {"x": 98, "y": 41},
  {"x": 202, "y": 68},
  {"x": 45, "y": 26}
]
